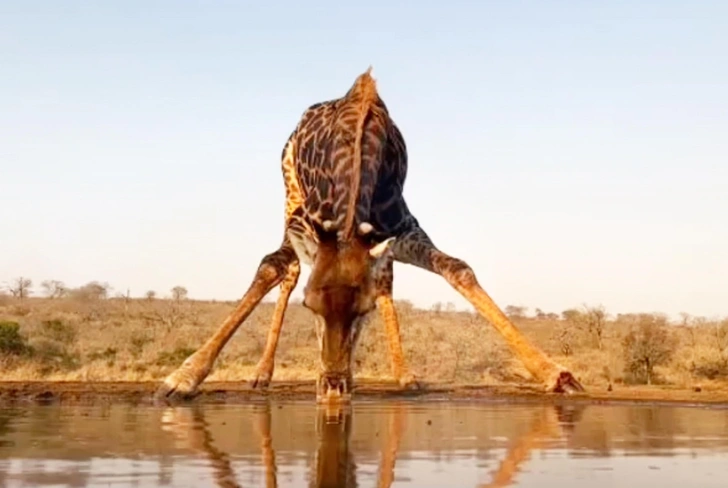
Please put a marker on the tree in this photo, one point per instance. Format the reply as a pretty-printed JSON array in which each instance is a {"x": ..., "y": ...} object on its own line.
[
  {"x": 516, "y": 311},
  {"x": 564, "y": 336},
  {"x": 649, "y": 343},
  {"x": 93, "y": 290},
  {"x": 20, "y": 287},
  {"x": 150, "y": 295},
  {"x": 54, "y": 288},
  {"x": 719, "y": 339},
  {"x": 594, "y": 320},
  {"x": 685, "y": 319},
  {"x": 179, "y": 293},
  {"x": 571, "y": 315}
]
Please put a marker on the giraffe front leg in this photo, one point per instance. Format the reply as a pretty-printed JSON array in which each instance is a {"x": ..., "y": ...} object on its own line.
[
  {"x": 416, "y": 248},
  {"x": 388, "y": 312},
  {"x": 400, "y": 369},
  {"x": 266, "y": 365},
  {"x": 183, "y": 382}
]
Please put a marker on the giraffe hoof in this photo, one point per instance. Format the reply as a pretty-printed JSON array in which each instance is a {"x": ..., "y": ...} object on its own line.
[
  {"x": 567, "y": 383},
  {"x": 180, "y": 385},
  {"x": 409, "y": 382},
  {"x": 263, "y": 375},
  {"x": 260, "y": 382}
]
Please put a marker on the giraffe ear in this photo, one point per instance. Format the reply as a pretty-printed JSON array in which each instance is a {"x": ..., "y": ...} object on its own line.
[{"x": 380, "y": 249}]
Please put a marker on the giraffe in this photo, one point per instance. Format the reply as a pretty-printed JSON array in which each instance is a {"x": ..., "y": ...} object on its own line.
[{"x": 344, "y": 168}]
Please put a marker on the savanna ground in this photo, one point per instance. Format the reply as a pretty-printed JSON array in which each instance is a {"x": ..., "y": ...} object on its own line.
[{"x": 55, "y": 334}]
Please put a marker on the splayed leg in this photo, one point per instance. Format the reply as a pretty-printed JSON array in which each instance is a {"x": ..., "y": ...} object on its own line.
[
  {"x": 264, "y": 369},
  {"x": 416, "y": 248},
  {"x": 183, "y": 382}
]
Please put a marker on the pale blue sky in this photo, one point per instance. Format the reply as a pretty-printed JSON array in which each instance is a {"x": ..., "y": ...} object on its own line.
[{"x": 569, "y": 151}]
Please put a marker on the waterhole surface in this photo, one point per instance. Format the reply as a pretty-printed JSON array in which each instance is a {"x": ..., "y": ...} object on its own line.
[{"x": 371, "y": 444}]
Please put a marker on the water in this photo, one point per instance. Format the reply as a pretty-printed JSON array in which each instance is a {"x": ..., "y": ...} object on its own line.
[{"x": 397, "y": 444}]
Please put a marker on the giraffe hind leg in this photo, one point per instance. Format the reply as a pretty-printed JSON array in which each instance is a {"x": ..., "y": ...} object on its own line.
[
  {"x": 266, "y": 365},
  {"x": 415, "y": 247},
  {"x": 183, "y": 382}
]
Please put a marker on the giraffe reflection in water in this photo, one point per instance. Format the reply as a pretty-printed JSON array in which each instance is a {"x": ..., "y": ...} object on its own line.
[
  {"x": 334, "y": 464},
  {"x": 549, "y": 423}
]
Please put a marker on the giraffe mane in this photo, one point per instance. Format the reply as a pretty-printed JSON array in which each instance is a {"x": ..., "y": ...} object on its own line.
[{"x": 365, "y": 87}]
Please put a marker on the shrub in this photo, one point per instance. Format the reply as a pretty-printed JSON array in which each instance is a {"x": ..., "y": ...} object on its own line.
[
  {"x": 174, "y": 358},
  {"x": 58, "y": 331},
  {"x": 710, "y": 366},
  {"x": 108, "y": 355},
  {"x": 11, "y": 341},
  {"x": 53, "y": 356}
]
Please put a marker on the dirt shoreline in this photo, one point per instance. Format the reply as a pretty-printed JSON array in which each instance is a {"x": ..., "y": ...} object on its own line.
[{"x": 78, "y": 392}]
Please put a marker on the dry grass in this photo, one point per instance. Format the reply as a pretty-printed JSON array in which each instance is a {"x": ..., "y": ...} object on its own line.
[{"x": 88, "y": 337}]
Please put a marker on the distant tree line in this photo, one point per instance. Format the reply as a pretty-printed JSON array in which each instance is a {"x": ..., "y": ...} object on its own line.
[{"x": 21, "y": 288}]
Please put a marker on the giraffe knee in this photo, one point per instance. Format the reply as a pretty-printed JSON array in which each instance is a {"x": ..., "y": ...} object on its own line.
[
  {"x": 459, "y": 273},
  {"x": 268, "y": 272},
  {"x": 291, "y": 277},
  {"x": 274, "y": 266}
]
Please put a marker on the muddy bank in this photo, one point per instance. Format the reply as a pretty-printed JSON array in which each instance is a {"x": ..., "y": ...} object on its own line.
[{"x": 240, "y": 392}]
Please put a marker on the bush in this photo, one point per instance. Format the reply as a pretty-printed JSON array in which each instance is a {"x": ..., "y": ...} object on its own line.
[
  {"x": 711, "y": 367},
  {"x": 11, "y": 341},
  {"x": 174, "y": 358},
  {"x": 58, "y": 331},
  {"x": 53, "y": 356},
  {"x": 108, "y": 355},
  {"x": 50, "y": 347}
]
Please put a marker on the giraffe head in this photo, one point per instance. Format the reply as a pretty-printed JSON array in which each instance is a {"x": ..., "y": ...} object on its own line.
[{"x": 341, "y": 291}]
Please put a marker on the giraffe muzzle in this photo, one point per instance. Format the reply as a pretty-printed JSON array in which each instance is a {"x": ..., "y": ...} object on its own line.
[{"x": 333, "y": 388}]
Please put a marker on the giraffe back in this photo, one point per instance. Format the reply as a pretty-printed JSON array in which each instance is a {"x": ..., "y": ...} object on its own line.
[{"x": 347, "y": 163}]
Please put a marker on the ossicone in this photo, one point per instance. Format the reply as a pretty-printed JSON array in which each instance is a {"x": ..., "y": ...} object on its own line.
[
  {"x": 365, "y": 228},
  {"x": 380, "y": 249}
]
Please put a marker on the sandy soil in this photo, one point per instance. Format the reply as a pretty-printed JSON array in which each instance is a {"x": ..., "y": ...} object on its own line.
[{"x": 12, "y": 392}]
